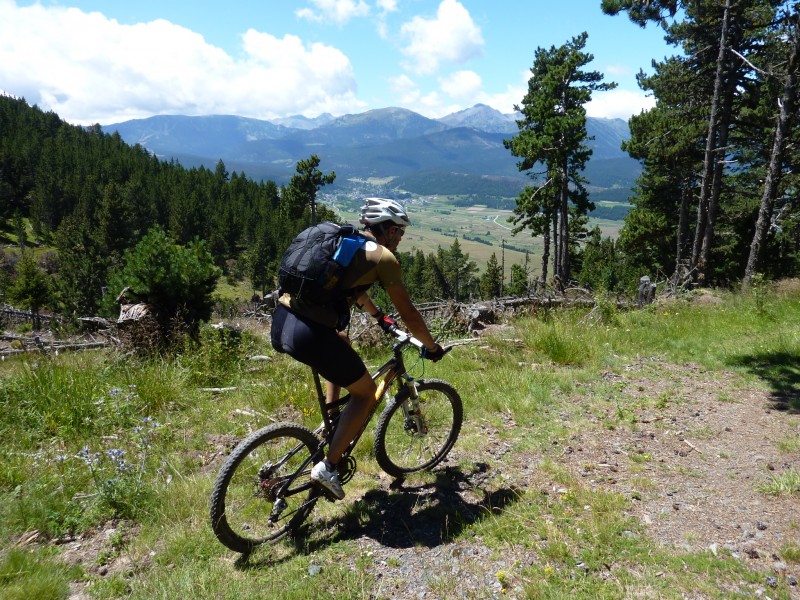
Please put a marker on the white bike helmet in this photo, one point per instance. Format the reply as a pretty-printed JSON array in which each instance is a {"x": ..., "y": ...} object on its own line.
[{"x": 378, "y": 210}]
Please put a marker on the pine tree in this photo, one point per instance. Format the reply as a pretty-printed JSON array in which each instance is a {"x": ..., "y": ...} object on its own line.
[
  {"x": 784, "y": 117},
  {"x": 552, "y": 132},
  {"x": 176, "y": 280},
  {"x": 491, "y": 281},
  {"x": 301, "y": 193},
  {"x": 31, "y": 288}
]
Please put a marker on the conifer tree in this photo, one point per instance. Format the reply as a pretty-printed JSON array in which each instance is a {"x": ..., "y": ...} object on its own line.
[
  {"x": 301, "y": 193},
  {"x": 552, "y": 133},
  {"x": 491, "y": 280},
  {"x": 31, "y": 288}
]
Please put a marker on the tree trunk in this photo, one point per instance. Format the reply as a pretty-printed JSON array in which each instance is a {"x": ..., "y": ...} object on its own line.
[
  {"x": 711, "y": 148},
  {"x": 719, "y": 170},
  {"x": 683, "y": 223},
  {"x": 545, "y": 255},
  {"x": 563, "y": 242},
  {"x": 556, "y": 239},
  {"x": 774, "y": 168}
]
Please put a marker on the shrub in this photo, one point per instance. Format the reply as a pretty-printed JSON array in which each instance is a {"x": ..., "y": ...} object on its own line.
[{"x": 177, "y": 281}]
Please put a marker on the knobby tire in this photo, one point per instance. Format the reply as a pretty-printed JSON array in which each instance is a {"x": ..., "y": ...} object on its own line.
[
  {"x": 254, "y": 478},
  {"x": 399, "y": 448}
]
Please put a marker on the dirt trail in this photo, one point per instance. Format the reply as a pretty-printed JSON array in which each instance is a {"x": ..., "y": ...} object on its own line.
[{"x": 691, "y": 467}]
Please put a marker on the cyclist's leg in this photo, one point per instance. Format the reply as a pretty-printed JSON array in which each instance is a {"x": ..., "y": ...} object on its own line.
[
  {"x": 333, "y": 390},
  {"x": 362, "y": 398},
  {"x": 328, "y": 352}
]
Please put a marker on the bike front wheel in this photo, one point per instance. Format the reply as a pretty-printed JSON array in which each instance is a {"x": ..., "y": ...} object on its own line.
[
  {"x": 263, "y": 490},
  {"x": 406, "y": 443}
]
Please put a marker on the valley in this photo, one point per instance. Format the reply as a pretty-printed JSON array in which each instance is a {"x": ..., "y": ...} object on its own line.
[{"x": 480, "y": 229}]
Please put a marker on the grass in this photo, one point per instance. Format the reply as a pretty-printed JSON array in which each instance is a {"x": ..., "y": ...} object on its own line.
[
  {"x": 34, "y": 574},
  {"x": 96, "y": 438},
  {"x": 782, "y": 484}
]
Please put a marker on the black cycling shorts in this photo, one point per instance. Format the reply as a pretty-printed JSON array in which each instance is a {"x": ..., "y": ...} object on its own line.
[{"x": 317, "y": 346}]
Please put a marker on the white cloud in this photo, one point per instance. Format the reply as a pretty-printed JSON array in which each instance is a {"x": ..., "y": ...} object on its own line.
[
  {"x": 386, "y": 7},
  {"x": 462, "y": 86},
  {"x": 91, "y": 69},
  {"x": 450, "y": 37},
  {"x": 338, "y": 11},
  {"x": 618, "y": 104},
  {"x": 407, "y": 94},
  {"x": 504, "y": 101},
  {"x": 467, "y": 89},
  {"x": 403, "y": 86}
]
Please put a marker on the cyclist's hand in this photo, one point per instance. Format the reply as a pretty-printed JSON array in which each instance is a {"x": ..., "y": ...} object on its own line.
[
  {"x": 434, "y": 355},
  {"x": 385, "y": 322}
]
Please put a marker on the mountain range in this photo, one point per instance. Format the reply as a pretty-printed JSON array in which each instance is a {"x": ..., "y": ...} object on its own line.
[{"x": 460, "y": 153}]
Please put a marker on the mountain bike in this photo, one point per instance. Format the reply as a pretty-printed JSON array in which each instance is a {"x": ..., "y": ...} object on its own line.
[{"x": 263, "y": 490}]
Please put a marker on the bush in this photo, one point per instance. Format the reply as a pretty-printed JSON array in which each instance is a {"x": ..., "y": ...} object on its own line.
[{"x": 176, "y": 281}]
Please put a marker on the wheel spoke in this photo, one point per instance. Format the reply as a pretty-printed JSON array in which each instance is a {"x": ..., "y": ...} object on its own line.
[
  {"x": 263, "y": 490},
  {"x": 400, "y": 446}
]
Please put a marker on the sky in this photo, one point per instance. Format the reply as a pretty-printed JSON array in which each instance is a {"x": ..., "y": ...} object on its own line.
[{"x": 108, "y": 61}]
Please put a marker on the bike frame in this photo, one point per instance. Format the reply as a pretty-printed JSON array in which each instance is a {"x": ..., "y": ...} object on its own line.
[{"x": 392, "y": 370}]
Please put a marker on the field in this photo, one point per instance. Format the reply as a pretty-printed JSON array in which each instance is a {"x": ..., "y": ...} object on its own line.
[
  {"x": 604, "y": 454},
  {"x": 481, "y": 230}
]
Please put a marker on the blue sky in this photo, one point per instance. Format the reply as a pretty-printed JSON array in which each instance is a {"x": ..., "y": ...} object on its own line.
[{"x": 105, "y": 61}]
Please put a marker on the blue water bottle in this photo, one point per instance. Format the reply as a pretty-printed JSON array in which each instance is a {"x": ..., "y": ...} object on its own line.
[{"x": 347, "y": 249}]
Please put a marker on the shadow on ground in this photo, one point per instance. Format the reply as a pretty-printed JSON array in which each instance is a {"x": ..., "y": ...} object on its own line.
[
  {"x": 424, "y": 515},
  {"x": 781, "y": 370},
  {"x": 404, "y": 516}
]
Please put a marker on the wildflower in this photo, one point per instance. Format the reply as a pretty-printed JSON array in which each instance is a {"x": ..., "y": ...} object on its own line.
[
  {"x": 115, "y": 453},
  {"x": 85, "y": 454},
  {"x": 117, "y": 456},
  {"x": 502, "y": 578}
]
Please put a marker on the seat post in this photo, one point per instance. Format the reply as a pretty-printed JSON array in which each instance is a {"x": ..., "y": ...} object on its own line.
[{"x": 320, "y": 391}]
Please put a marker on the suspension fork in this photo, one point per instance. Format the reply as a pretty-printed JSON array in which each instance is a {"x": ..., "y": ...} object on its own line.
[{"x": 414, "y": 419}]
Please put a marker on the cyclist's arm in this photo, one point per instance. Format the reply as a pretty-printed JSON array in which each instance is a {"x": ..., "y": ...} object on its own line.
[
  {"x": 365, "y": 303},
  {"x": 410, "y": 315}
]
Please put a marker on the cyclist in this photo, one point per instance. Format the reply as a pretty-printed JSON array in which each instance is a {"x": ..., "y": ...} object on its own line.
[{"x": 308, "y": 332}]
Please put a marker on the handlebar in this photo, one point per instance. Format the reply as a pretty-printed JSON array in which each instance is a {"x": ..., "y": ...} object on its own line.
[
  {"x": 403, "y": 337},
  {"x": 406, "y": 338}
]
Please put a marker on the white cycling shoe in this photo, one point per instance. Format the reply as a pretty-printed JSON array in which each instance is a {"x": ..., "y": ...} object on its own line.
[{"x": 327, "y": 479}]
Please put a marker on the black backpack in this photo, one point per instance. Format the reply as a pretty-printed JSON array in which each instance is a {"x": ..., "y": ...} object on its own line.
[{"x": 315, "y": 261}]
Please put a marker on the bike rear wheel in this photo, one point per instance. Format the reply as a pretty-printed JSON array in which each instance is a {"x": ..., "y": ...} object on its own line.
[
  {"x": 405, "y": 444},
  {"x": 263, "y": 490}
]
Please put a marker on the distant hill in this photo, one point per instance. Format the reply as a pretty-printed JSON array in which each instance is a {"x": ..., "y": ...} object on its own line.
[
  {"x": 484, "y": 118},
  {"x": 462, "y": 151}
]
